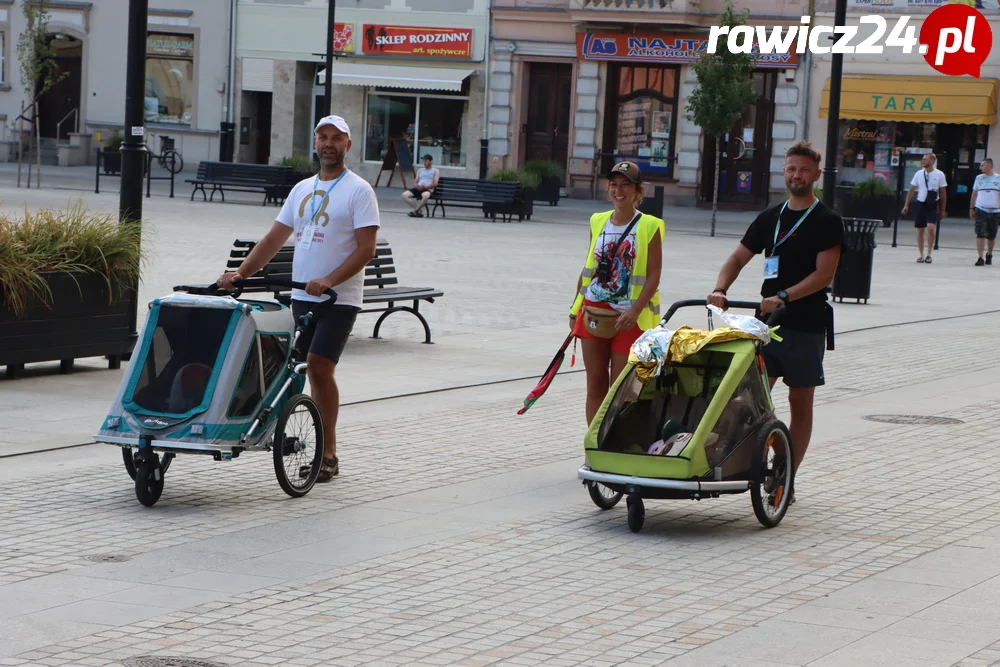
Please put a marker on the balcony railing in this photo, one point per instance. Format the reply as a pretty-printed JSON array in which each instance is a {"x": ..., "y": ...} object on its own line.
[{"x": 624, "y": 5}]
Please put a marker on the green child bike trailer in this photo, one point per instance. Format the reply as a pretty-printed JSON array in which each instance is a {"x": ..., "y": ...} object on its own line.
[
  {"x": 691, "y": 428},
  {"x": 217, "y": 375}
]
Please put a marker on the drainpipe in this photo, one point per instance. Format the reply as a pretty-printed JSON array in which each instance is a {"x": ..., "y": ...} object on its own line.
[
  {"x": 806, "y": 78},
  {"x": 484, "y": 143},
  {"x": 231, "y": 76}
]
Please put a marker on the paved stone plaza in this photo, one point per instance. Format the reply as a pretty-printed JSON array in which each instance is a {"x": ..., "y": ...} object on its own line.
[{"x": 458, "y": 534}]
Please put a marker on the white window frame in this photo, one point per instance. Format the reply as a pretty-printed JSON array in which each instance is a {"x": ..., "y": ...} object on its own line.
[{"x": 416, "y": 130}]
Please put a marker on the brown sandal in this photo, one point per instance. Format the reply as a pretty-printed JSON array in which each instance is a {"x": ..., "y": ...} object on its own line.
[{"x": 329, "y": 469}]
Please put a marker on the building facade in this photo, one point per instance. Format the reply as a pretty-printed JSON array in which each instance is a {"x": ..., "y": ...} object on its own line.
[
  {"x": 409, "y": 78},
  {"x": 584, "y": 83},
  {"x": 188, "y": 56},
  {"x": 896, "y": 107}
]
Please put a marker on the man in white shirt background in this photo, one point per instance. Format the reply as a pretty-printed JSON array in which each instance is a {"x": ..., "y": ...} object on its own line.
[
  {"x": 334, "y": 216},
  {"x": 984, "y": 209},
  {"x": 427, "y": 180},
  {"x": 929, "y": 185}
]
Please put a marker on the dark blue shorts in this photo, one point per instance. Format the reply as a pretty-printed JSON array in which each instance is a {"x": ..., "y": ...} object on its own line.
[
  {"x": 331, "y": 327},
  {"x": 926, "y": 214},
  {"x": 797, "y": 359}
]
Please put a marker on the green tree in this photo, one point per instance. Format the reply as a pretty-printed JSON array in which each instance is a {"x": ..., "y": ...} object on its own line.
[
  {"x": 38, "y": 67},
  {"x": 725, "y": 88}
]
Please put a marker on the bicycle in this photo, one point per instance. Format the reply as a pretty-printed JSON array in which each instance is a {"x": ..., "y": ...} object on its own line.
[{"x": 169, "y": 157}]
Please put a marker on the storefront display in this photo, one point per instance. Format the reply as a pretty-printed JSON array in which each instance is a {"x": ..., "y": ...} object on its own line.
[
  {"x": 643, "y": 113},
  {"x": 169, "y": 78},
  {"x": 432, "y": 122}
]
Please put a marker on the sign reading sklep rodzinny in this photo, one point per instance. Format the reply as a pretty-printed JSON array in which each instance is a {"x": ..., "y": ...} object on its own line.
[{"x": 954, "y": 39}]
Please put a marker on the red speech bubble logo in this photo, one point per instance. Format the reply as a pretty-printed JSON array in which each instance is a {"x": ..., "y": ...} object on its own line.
[{"x": 956, "y": 40}]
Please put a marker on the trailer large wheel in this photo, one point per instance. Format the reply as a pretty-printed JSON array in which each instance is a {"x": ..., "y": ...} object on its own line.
[
  {"x": 603, "y": 496},
  {"x": 149, "y": 481},
  {"x": 298, "y": 445},
  {"x": 771, "y": 474}
]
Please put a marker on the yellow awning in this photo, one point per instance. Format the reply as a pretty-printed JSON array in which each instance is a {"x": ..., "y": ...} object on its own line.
[{"x": 923, "y": 99}]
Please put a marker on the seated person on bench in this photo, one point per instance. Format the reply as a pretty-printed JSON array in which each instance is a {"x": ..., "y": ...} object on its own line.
[{"x": 427, "y": 180}]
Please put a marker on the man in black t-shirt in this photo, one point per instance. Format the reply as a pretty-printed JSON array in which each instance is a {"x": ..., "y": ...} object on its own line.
[{"x": 801, "y": 240}]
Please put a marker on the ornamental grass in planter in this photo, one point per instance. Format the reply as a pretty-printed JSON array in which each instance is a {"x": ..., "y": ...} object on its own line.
[
  {"x": 67, "y": 282},
  {"x": 529, "y": 181},
  {"x": 550, "y": 180}
]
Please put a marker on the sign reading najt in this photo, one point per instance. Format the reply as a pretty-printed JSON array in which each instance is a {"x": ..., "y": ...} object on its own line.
[
  {"x": 667, "y": 49},
  {"x": 416, "y": 41}
]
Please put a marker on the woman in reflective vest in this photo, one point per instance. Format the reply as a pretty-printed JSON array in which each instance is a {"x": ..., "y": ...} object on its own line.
[{"x": 617, "y": 293}]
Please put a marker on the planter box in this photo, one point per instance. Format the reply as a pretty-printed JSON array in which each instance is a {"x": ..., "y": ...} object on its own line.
[
  {"x": 111, "y": 161},
  {"x": 881, "y": 208},
  {"x": 80, "y": 323},
  {"x": 548, "y": 190}
]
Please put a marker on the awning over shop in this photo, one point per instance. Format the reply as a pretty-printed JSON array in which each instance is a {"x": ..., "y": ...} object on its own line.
[
  {"x": 920, "y": 99},
  {"x": 396, "y": 76}
]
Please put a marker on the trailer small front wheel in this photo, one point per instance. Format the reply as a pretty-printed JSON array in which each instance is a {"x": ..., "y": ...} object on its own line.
[
  {"x": 603, "y": 496},
  {"x": 149, "y": 482},
  {"x": 636, "y": 513},
  {"x": 298, "y": 445},
  {"x": 771, "y": 476}
]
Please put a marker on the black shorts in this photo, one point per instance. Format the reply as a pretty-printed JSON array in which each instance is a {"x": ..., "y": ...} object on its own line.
[
  {"x": 926, "y": 214},
  {"x": 986, "y": 225},
  {"x": 418, "y": 193},
  {"x": 797, "y": 358},
  {"x": 329, "y": 330}
]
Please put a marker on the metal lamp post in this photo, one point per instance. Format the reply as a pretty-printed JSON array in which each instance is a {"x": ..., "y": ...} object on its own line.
[
  {"x": 328, "y": 83},
  {"x": 833, "y": 119},
  {"x": 133, "y": 148}
]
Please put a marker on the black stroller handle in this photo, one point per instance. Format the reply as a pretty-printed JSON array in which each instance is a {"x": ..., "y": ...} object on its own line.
[
  {"x": 241, "y": 285},
  {"x": 771, "y": 319}
]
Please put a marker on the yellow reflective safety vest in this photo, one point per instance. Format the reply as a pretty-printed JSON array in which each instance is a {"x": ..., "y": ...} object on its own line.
[{"x": 645, "y": 230}]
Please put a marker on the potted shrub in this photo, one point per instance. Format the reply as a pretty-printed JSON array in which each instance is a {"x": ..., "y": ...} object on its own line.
[
  {"x": 524, "y": 207},
  {"x": 67, "y": 287},
  {"x": 550, "y": 180},
  {"x": 112, "y": 158},
  {"x": 302, "y": 168},
  {"x": 871, "y": 198}
]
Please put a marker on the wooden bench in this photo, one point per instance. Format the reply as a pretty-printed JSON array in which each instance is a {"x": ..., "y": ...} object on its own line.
[
  {"x": 382, "y": 290},
  {"x": 274, "y": 181},
  {"x": 494, "y": 197}
]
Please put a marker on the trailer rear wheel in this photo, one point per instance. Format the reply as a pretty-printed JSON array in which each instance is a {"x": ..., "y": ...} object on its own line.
[{"x": 771, "y": 475}]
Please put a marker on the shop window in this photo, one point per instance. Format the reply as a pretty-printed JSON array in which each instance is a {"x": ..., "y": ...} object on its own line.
[
  {"x": 429, "y": 124},
  {"x": 642, "y": 118},
  {"x": 170, "y": 84},
  {"x": 3, "y": 58}
]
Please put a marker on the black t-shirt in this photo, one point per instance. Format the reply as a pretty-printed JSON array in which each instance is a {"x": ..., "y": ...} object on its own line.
[{"x": 821, "y": 230}]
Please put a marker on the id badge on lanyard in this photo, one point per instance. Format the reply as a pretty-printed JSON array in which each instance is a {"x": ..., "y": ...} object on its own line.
[
  {"x": 771, "y": 263},
  {"x": 305, "y": 241}
]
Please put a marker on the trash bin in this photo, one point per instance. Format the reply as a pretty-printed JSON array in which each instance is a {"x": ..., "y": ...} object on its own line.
[{"x": 854, "y": 273}]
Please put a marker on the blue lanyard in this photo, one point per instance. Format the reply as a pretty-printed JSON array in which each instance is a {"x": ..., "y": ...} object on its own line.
[
  {"x": 312, "y": 200},
  {"x": 777, "y": 227}
]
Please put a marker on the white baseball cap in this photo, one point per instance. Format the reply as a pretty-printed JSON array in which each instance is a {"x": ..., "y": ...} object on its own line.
[{"x": 337, "y": 122}]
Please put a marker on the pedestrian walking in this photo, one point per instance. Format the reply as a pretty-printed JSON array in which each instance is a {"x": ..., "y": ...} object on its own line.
[
  {"x": 334, "y": 216},
  {"x": 618, "y": 291},
  {"x": 802, "y": 241},
  {"x": 417, "y": 196},
  {"x": 984, "y": 209},
  {"x": 929, "y": 186}
]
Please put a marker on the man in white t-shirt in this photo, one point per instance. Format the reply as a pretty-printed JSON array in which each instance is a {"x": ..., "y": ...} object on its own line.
[
  {"x": 929, "y": 184},
  {"x": 427, "y": 180},
  {"x": 984, "y": 209},
  {"x": 334, "y": 216}
]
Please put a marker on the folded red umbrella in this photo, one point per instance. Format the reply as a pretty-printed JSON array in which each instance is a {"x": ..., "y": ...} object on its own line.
[{"x": 550, "y": 373}]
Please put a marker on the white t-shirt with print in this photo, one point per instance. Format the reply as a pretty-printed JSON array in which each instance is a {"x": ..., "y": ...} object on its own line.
[
  {"x": 988, "y": 187},
  {"x": 616, "y": 291},
  {"x": 351, "y": 205},
  {"x": 935, "y": 180}
]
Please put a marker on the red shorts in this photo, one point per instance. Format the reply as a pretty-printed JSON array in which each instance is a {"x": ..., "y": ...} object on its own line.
[{"x": 620, "y": 344}]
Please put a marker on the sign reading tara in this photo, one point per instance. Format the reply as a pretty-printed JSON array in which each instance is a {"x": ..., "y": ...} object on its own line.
[
  {"x": 665, "y": 49},
  {"x": 416, "y": 41}
]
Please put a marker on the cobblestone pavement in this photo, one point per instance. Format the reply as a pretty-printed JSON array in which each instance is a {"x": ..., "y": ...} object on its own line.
[{"x": 485, "y": 568}]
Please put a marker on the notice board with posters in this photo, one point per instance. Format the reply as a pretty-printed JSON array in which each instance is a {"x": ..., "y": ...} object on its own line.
[{"x": 397, "y": 154}]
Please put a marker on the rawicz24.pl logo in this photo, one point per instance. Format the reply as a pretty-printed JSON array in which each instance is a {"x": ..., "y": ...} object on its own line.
[{"x": 954, "y": 39}]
